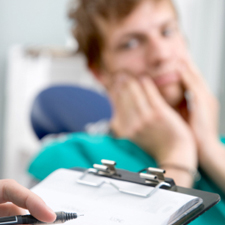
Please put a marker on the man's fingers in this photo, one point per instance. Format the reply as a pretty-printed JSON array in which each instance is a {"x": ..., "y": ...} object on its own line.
[
  {"x": 153, "y": 95},
  {"x": 191, "y": 77},
  {"x": 137, "y": 95},
  {"x": 10, "y": 191},
  {"x": 130, "y": 98},
  {"x": 9, "y": 209},
  {"x": 121, "y": 99}
]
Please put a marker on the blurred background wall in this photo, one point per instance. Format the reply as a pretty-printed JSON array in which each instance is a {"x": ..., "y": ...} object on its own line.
[{"x": 27, "y": 23}]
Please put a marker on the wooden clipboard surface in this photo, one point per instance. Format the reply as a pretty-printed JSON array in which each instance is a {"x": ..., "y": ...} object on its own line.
[{"x": 209, "y": 199}]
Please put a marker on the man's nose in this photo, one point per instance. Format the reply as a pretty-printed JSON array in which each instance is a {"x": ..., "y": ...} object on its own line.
[{"x": 158, "y": 52}]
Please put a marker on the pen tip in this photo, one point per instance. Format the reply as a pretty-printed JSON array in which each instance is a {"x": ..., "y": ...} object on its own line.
[{"x": 80, "y": 215}]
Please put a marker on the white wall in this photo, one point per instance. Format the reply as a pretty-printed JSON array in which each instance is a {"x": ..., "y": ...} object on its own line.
[
  {"x": 28, "y": 22},
  {"x": 26, "y": 77},
  {"x": 203, "y": 22}
]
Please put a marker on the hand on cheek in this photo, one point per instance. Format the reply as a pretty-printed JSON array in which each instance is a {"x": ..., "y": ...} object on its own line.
[
  {"x": 168, "y": 133},
  {"x": 202, "y": 106},
  {"x": 130, "y": 104},
  {"x": 143, "y": 116}
]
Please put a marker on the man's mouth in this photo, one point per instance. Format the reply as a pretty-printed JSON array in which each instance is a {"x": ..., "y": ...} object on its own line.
[{"x": 166, "y": 79}]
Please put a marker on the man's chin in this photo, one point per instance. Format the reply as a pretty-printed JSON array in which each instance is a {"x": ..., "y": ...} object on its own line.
[{"x": 173, "y": 94}]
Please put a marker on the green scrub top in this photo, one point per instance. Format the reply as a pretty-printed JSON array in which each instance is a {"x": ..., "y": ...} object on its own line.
[{"x": 83, "y": 150}]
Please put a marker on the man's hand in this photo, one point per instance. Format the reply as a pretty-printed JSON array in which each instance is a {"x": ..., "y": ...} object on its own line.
[
  {"x": 143, "y": 116},
  {"x": 203, "y": 120},
  {"x": 202, "y": 106},
  {"x": 14, "y": 198}
]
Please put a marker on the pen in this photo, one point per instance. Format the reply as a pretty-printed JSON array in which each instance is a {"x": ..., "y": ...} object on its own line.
[{"x": 61, "y": 217}]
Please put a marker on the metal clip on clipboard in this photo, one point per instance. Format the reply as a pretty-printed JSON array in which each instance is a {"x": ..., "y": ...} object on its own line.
[{"x": 153, "y": 177}]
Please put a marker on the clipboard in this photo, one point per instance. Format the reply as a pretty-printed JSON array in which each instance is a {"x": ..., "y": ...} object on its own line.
[
  {"x": 155, "y": 178},
  {"x": 106, "y": 195}
]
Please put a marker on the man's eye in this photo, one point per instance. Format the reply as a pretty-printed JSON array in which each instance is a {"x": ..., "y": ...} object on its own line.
[
  {"x": 168, "y": 32},
  {"x": 131, "y": 44}
]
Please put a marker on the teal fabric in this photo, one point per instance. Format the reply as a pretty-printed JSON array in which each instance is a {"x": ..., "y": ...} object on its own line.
[{"x": 83, "y": 150}]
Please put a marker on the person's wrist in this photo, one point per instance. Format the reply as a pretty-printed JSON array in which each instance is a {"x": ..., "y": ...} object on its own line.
[
  {"x": 180, "y": 177},
  {"x": 192, "y": 172},
  {"x": 181, "y": 155},
  {"x": 181, "y": 163}
]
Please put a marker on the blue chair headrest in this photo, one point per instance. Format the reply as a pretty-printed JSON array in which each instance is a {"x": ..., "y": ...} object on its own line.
[{"x": 67, "y": 108}]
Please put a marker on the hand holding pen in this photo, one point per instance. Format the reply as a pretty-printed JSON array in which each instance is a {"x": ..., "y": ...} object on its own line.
[
  {"x": 61, "y": 217},
  {"x": 14, "y": 198}
]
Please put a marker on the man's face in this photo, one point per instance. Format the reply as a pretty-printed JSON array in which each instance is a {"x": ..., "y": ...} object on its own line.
[{"x": 147, "y": 42}]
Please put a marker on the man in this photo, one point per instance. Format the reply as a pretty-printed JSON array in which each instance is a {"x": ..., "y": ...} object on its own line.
[
  {"x": 143, "y": 62},
  {"x": 164, "y": 114},
  {"x": 14, "y": 198}
]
